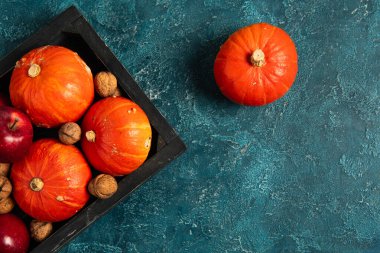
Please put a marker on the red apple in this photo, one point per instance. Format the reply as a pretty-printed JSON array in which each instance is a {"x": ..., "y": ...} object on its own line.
[
  {"x": 16, "y": 134},
  {"x": 3, "y": 100},
  {"x": 14, "y": 236}
]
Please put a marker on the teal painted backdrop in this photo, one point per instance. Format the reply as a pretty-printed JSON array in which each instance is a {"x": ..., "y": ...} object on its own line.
[{"x": 299, "y": 175}]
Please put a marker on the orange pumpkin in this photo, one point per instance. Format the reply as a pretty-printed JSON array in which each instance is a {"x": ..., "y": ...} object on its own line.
[
  {"x": 53, "y": 85},
  {"x": 50, "y": 183},
  {"x": 117, "y": 136},
  {"x": 256, "y": 65}
]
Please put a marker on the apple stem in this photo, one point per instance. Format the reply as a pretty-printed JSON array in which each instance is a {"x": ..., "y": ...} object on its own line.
[{"x": 12, "y": 125}]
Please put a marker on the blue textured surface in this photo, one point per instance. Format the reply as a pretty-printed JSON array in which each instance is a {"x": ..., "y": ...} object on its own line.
[{"x": 299, "y": 175}]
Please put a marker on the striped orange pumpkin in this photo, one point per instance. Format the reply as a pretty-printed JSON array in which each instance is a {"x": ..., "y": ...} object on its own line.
[
  {"x": 53, "y": 85},
  {"x": 117, "y": 136},
  {"x": 256, "y": 65},
  {"x": 50, "y": 183}
]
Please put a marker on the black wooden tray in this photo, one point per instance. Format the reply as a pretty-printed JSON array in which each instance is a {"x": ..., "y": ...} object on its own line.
[{"x": 70, "y": 29}]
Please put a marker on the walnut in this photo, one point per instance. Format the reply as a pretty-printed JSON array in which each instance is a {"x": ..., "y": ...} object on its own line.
[
  {"x": 5, "y": 188},
  {"x": 6, "y": 205},
  {"x": 40, "y": 230},
  {"x": 117, "y": 93},
  {"x": 69, "y": 133},
  {"x": 105, "y": 84},
  {"x": 103, "y": 186},
  {"x": 4, "y": 169}
]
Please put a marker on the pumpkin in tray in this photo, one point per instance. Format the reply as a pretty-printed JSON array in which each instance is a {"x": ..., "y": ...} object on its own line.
[
  {"x": 116, "y": 136},
  {"x": 50, "y": 182},
  {"x": 53, "y": 85}
]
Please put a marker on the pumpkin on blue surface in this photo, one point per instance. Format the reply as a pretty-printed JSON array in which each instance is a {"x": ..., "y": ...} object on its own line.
[{"x": 256, "y": 65}]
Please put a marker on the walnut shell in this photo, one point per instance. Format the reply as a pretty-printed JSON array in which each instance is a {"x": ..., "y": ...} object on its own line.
[
  {"x": 5, "y": 188},
  {"x": 69, "y": 133},
  {"x": 40, "y": 230},
  {"x": 6, "y": 205},
  {"x": 117, "y": 92},
  {"x": 105, "y": 84},
  {"x": 103, "y": 186},
  {"x": 4, "y": 169}
]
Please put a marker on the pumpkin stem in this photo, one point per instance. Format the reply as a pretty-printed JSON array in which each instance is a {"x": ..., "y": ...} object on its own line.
[
  {"x": 36, "y": 184},
  {"x": 258, "y": 58},
  {"x": 90, "y": 136},
  {"x": 34, "y": 70}
]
